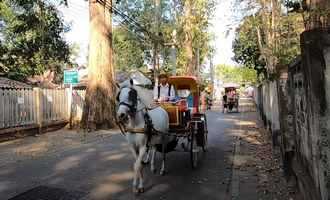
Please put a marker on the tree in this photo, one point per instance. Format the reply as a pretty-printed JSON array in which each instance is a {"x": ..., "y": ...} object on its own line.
[
  {"x": 315, "y": 13},
  {"x": 193, "y": 36},
  {"x": 31, "y": 38},
  {"x": 269, "y": 38},
  {"x": 99, "y": 106},
  {"x": 129, "y": 51},
  {"x": 184, "y": 24},
  {"x": 245, "y": 46},
  {"x": 240, "y": 75}
]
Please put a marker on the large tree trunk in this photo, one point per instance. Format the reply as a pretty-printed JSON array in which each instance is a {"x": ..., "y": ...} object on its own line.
[
  {"x": 188, "y": 43},
  {"x": 99, "y": 106}
]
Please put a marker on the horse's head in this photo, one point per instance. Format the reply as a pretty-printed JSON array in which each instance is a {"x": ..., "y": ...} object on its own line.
[{"x": 127, "y": 98}]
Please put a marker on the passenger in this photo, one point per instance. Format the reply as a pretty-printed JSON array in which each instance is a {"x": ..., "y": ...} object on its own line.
[
  {"x": 163, "y": 92},
  {"x": 224, "y": 102}
]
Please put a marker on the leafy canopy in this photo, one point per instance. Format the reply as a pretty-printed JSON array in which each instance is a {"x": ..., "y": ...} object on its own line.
[
  {"x": 260, "y": 46},
  {"x": 31, "y": 38},
  {"x": 245, "y": 45},
  {"x": 233, "y": 74},
  {"x": 173, "y": 30}
]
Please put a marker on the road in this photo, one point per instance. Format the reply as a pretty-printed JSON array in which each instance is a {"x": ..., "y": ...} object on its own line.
[{"x": 100, "y": 166}]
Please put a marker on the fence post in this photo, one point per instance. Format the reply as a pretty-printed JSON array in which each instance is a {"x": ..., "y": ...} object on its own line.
[
  {"x": 69, "y": 100},
  {"x": 38, "y": 108}
]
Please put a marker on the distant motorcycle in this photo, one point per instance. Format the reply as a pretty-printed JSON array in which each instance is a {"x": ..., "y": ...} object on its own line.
[{"x": 209, "y": 103}]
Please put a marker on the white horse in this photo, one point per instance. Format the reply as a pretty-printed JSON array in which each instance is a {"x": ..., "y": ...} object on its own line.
[{"x": 132, "y": 113}]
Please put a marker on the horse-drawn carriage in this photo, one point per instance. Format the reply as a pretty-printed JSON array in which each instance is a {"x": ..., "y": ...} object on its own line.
[
  {"x": 232, "y": 97},
  {"x": 162, "y": 127},
  {"x": 185, "y": 119}
]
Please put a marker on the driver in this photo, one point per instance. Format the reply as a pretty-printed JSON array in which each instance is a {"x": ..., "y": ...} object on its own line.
[{"x": 164, "y": 91}]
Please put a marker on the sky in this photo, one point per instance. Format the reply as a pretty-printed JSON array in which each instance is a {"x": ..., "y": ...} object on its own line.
[
  {"x": 76, "y": 14},
  {"x": 223, "y": 29},
  {"x": 226, "y": 19}
]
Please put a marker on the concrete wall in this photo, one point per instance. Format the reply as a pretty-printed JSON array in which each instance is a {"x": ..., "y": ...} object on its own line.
[
  {"x": 297, "y": 105},
  {"x": 313, "y": 135},
  {"x": 266, "y": 97}
]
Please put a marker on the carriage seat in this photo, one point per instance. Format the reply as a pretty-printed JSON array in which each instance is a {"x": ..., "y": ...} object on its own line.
[{"x": 175, "y": 111}]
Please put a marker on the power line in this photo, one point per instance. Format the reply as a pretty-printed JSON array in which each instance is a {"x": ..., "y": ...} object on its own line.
[
  {"x": 130, "y": 21},
  {"x": 123, "y": 25}
]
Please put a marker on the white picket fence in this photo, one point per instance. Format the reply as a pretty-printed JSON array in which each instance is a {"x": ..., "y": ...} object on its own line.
[{"x": 21, "y": 107}]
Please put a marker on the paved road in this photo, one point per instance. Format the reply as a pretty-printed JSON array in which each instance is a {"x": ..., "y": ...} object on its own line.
[{"x": 100, "y": 167}]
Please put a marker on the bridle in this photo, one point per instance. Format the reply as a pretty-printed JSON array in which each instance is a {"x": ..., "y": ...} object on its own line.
[
  {"x": 132, "y": 107},
  {"x": 132, "y": 111}
]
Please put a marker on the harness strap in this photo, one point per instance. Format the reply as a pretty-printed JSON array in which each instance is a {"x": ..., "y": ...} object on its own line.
[
  {"x": 132, "y": 108},
  {"x": 148, "y": 127},
  {"x": 135, "y": 130}
]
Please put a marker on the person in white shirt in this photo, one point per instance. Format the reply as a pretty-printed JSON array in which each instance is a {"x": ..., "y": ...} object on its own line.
[{"x": 164, "y": 91}]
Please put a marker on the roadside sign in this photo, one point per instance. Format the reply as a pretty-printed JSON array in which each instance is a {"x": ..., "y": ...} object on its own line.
[{"x": 70, "y": 76}]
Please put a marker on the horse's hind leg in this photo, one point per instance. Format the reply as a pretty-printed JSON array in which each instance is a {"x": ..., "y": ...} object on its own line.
[
  {"x": 152, "y": 161},
  {"x": 162, "y": 170},
  {"x": 146, "y": 158}
]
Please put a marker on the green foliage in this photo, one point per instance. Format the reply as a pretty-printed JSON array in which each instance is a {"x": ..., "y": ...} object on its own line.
[
  {"x": 173, "y": 20},
  {"x": 195, "y": 28},
  {"x": 240, "y": 75},
  {"x": 245, "y": 45},
  {"x": 31, "y": 38},
  {"x": 284, "y": 47},
  {"x": 128, "y": 50},
  {"x": 132, "y": 44},
  {"x": 290, "y": 28}
]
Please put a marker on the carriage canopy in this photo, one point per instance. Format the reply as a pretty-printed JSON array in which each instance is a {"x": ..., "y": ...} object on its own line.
[
  {"x": 188, "y": 83},
  {"x": 185, "y": 83}
]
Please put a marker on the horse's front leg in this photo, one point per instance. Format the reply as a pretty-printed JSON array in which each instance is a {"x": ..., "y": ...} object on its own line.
[
  {"x": 135, "y": 176},
  {"x": 139, "y": 167}
]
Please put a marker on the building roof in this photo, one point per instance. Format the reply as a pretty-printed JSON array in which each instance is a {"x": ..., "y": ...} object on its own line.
[{"x": 8, "y": 83}]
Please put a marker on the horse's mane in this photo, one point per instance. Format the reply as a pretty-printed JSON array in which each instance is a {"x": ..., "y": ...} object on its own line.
[{"x": 145, "y": 94}]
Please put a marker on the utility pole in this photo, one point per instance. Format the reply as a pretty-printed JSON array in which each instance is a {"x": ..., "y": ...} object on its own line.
[{"x": 212, "y": 74}]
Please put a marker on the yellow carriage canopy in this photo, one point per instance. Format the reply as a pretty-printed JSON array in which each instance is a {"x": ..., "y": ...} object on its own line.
[{"x": 185, "y": 83}]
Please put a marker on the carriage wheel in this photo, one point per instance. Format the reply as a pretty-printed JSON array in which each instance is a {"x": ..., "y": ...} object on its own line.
[{"x": 193, "y": 154}]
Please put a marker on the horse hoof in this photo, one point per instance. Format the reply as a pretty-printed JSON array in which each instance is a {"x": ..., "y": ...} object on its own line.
[
  {"x": 145, "y": 162},
  {"x": 162, "y": 173},
  {"x": 153, "y": 171},
  {"x": 141, "y": 190},
  {"x": 135, "y": 191}
]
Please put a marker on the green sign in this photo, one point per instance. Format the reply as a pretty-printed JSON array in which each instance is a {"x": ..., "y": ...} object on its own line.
[{"x": 70, "y": 76}]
